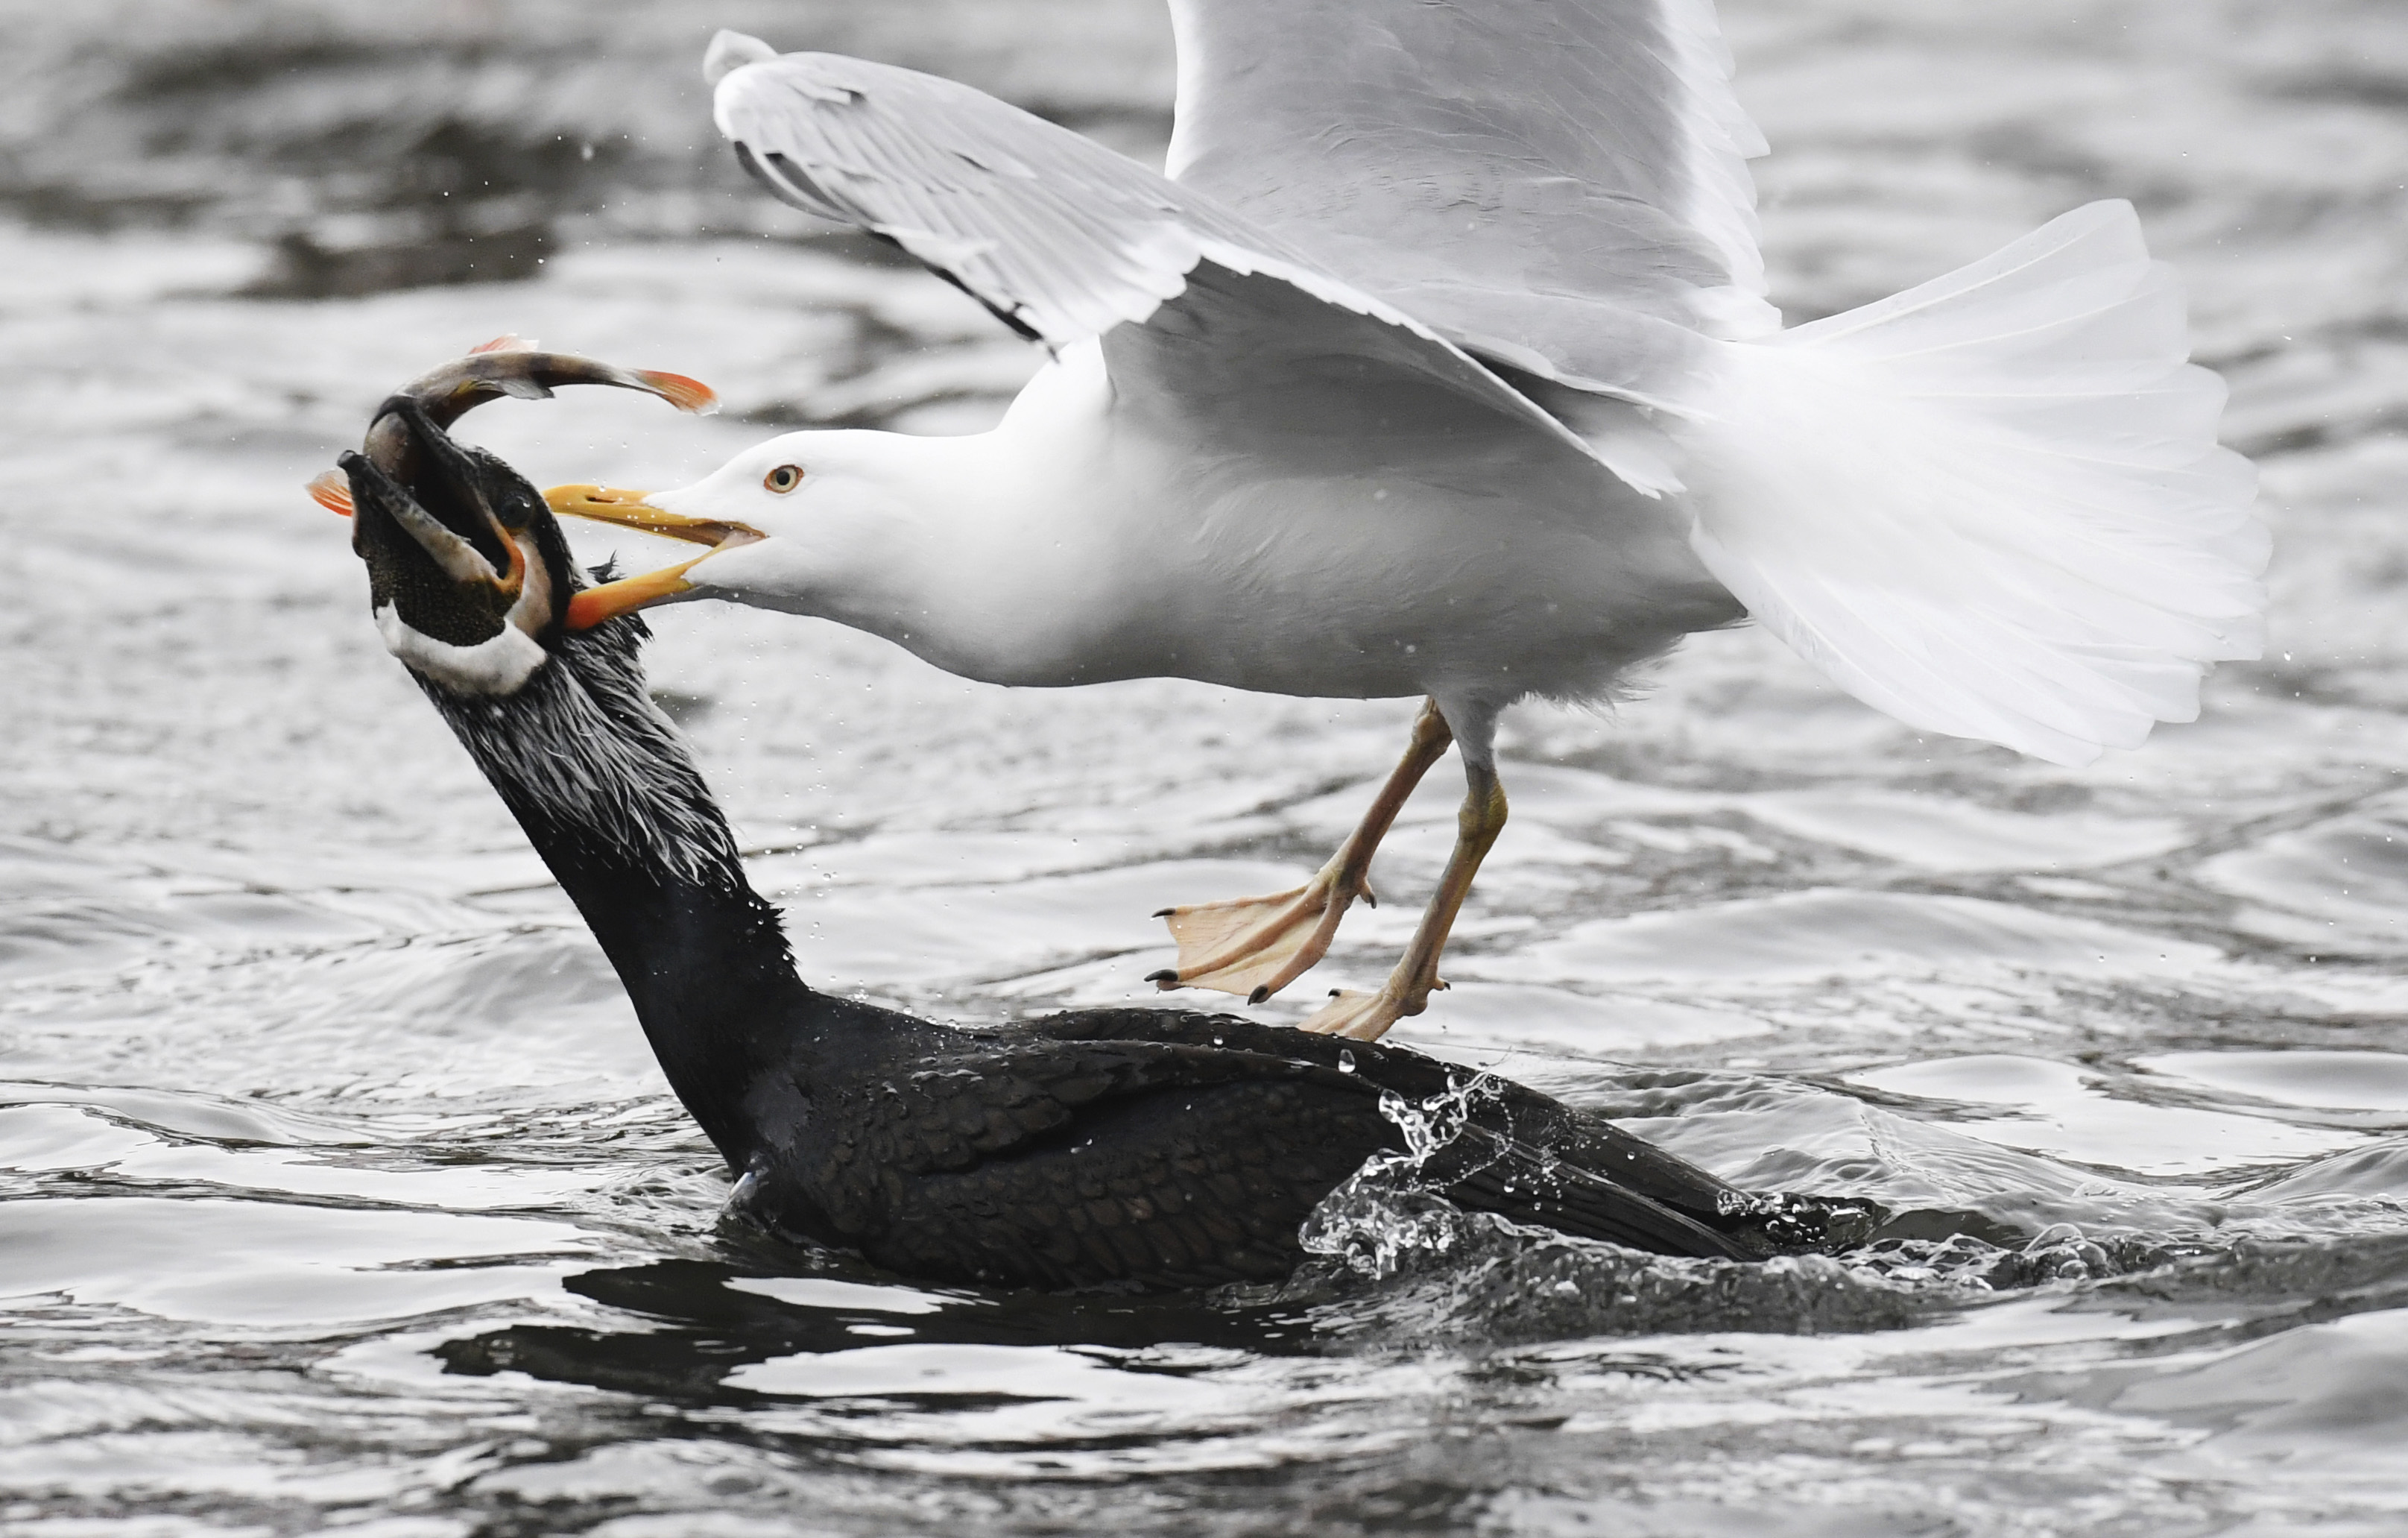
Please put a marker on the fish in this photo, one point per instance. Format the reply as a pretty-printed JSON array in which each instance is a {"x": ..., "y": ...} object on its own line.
[{"x": 508, "y": 365}]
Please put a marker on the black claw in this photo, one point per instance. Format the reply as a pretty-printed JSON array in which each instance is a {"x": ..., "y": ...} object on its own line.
[
  {"x": 1258, "y": 995},
  {"x": 1164, "y": 912},
  {"x": 1166, "y": 976}
]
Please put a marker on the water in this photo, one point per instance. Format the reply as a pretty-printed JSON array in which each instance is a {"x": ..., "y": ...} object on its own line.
[{"x": 340, "y": 1192}]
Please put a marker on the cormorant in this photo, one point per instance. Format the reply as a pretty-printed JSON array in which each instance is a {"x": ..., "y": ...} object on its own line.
[{"x": 1142, "y": 1147}]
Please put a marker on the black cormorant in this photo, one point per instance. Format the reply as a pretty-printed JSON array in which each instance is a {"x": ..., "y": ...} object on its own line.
[{"x": 1134, "y": 1147}]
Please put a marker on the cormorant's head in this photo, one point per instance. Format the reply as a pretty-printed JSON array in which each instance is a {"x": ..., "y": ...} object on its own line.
[{"x": 469, "y": 575}]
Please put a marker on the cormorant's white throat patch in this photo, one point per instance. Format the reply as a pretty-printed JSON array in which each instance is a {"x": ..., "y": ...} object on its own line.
[{"x": 499, "y": 664}]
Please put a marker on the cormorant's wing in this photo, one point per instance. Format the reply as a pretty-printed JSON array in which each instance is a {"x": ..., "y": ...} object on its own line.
[
  {"x": 1453, "y": 158},
  {"x": 1489, "y": 1173},
  {"x": 1065, "y": 241},
  {"x": 1523, "y": 1155},
  {"x": 1028, "y": 1092}
]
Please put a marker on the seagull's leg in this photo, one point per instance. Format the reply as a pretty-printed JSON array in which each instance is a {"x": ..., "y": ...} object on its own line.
[
  {"x": 1258, "y": 945},
  {"x": 1366, "y": 1016}
]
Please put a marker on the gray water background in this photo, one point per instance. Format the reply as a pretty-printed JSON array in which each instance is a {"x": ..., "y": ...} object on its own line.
[{"x": 338, "y": 1192}]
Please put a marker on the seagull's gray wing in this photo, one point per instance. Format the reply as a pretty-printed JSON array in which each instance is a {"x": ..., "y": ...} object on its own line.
[
  {"x": 1065, "y": 240},
  {"x": 1543, "y": 175}
]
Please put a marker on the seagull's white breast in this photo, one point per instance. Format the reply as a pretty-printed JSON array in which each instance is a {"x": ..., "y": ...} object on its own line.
[{"x": 1126, "y": 550}]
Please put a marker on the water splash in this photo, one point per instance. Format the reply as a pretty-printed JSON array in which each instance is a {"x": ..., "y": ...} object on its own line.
[{"x": 1386, "y": 1214}]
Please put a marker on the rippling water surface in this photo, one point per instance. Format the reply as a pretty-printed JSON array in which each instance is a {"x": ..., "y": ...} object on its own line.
[{"x": 337, "y": 1189}]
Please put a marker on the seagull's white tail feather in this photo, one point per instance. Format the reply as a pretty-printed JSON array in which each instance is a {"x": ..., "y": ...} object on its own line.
[{"x": 1992, "y": 506}]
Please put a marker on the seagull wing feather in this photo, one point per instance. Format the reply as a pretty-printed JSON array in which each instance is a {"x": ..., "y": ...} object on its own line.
[
  {"x": 1449, "y": 156},
  {"x": 1065, "y": 240}
]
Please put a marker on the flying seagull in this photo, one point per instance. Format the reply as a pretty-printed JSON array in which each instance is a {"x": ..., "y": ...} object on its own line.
[{"x": 1440, "y": 363}]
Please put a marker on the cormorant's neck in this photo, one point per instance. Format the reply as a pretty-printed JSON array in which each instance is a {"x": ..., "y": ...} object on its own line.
[{"x": 611, "y": 798}]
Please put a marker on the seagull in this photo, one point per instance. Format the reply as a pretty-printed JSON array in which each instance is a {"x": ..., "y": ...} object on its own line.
[{"x": 1439, "y": 363}]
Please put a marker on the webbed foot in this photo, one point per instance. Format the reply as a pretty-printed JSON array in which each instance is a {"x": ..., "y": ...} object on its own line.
[
  {"x": 1256, "y": 946},
  {"x": 1362, "y": 1017}
]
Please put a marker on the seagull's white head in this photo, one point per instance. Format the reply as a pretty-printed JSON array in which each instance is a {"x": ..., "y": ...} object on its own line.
[
  {"x": 842, "y": 524},
  {"x": 840, "y": 508}
]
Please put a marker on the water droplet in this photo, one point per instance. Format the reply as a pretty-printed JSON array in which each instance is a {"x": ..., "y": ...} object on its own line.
[{"x": 1345, "y": 1061}]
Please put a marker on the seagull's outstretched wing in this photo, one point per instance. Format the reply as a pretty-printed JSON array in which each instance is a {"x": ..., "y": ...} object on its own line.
[
  {"x": 1065, "y": 240},
  {"x": 1529, "y": 176}
]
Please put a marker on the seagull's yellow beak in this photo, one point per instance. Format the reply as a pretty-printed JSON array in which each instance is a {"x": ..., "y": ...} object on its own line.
[{"x": 629, "y": 509}]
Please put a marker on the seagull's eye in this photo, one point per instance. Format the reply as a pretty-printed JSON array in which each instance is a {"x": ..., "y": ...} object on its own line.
[{"x": 785, "y": 477}]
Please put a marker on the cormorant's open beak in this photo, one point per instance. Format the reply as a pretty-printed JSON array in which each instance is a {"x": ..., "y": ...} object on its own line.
[
  {"x": 633, "y": 509},
  {"x": 459, "y": 549},
  {"x": 467, "y": 574}
]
